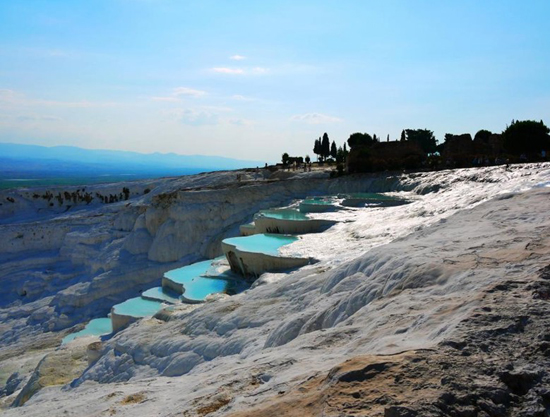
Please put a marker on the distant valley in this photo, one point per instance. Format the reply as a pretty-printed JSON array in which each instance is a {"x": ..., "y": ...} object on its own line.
[{"x": 32, "y": 165}]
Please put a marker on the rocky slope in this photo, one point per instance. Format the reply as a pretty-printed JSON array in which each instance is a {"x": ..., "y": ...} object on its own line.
[{"x": 409, "y": 279}]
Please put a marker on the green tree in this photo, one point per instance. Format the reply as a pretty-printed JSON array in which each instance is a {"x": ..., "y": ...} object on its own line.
[
  {"x": 483, "y": 135},
  {"x": 526, "y": 136},
  {"x": 403, "y": 137},
  {"x": 448, "y": 137},
  {"x": 308, "y": 159},
  {"x": 285, "y": 159},
  {"x": 340, "y": 157},
  {"x": 358, "y": 140},
  {"x": 333, "y": 150},
  {"x": 424, "y": 137},
  {"x": 325, "y": 146},
  {"x": 317, "y": 148}
]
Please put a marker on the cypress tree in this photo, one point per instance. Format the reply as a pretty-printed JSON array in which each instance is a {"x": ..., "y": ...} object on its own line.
[
  {"x": 333, "y": 149},
  {"x": 325, "y": 146},
  {"x": 316, "y": 149}
]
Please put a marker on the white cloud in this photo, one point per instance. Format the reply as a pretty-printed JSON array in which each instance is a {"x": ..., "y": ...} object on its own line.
[
  {"x": 224, "y": 70},
  {"x": 6, "y": 94},
  {"x": 221, "y": 109},
  {"x": 241, "y": 71},
  {"x": 207, "y": 116},
  {"x": 169, "y": 99},
  {"x": 242, "y": 98},
  {"x": 237, "y": 57},
  {"x": 35, "y": 118},
  {"x": 240, "y": 122},
  {"x": 196, "y": 117},
  {"x": 179, "y": 92},
  {"x": 185, "y": 91},
  {"x": 259, "y": 70},
  {"x": 315, "y": 118},
  {"x": 199, "y": 116}
]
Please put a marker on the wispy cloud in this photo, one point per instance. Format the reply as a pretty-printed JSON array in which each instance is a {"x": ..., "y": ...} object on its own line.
[
  {"x": 167, "y": 98},
  {"x": 185, "y": 91},
  {"x": 207, "y": 116},
  {"x": 220, "y": 109},
  {"x": 315, "y": 118},
  {"x": 197, "y": 117},
  {"x": 259, "y": 70},
  {"x": 6, "y": 94},
  {"x": 36, "y": 118},
  {"x": 178, "y": 93},
  {"x": 237, "y": 57},
  {"x": 240, "y": 122},
  {"x": 242, "y": 98},
  {"x": 225, "y": 70},
  {"x": 240, "y": 71}
]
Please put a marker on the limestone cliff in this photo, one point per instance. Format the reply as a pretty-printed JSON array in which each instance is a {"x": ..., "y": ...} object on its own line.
[{"x": 390, "y": 280}]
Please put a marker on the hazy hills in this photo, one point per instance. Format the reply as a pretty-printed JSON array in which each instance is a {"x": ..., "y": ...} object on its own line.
[{"x": 33, "y": 162}]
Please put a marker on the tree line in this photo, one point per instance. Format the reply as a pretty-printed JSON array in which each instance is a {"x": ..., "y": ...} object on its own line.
[
  {"x": 521, "y": 141},
  {"x": 325, "y": 150},
  {"x": 418, "y": 148}
]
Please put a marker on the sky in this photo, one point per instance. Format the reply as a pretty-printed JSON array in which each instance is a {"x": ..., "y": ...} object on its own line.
[{"x": 254, "y": 79}]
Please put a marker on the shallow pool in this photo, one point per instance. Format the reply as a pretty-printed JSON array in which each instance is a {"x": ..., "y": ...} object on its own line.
[
  {"x": 310, "y": 205},
  {"x": 95, "y": 327},
  {"x": 261, "y": 243},
  {"x": 187, "y": 273},
  {"x": 371, "y": 200},
  {"x": 318, "y": 201},
  {"x": 137, "y": 307},
  {"x": 284, "y": 214},
  {"x": 201, "y": 287},
  {"x": 161, "y": 294}
]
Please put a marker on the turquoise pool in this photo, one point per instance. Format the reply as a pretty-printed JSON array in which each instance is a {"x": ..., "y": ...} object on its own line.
[
  {"x": 284, "y": 214},
  {"x": 201, "y": 287},
  {"x": 161, "y": 294},
  {"x": 187, "y": 273},
  {"x": 137, "y": 307},
  {"x": 318, "y": 201},
  {"x": 261, "y": 243},
  {"x": 95, "y": 327},
  {"x": 317, "y": 205}
]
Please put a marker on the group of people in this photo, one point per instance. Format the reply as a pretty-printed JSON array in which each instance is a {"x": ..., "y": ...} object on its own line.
[
  {"x": 485, "y": 161},
  {"x": 306, "y": 166}
]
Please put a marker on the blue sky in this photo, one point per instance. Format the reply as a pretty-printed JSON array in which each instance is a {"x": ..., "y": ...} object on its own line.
[{"x": 254, "y": 79}]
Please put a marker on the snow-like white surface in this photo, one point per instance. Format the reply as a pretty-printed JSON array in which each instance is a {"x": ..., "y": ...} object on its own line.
[
  {"x": 363, "y": 297},
  {"x": 361, "y": 229}
]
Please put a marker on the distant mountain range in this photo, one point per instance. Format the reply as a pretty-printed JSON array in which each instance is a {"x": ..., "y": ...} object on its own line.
[{"x": 56, "y": 160}]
